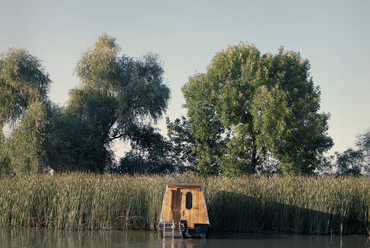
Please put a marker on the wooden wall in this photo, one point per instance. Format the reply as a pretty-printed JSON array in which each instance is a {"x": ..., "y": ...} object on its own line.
[{"x": 176, "y": 201}]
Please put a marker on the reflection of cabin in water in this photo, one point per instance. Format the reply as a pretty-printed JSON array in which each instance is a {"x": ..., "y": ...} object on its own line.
[{"x": 184, "y": 211}]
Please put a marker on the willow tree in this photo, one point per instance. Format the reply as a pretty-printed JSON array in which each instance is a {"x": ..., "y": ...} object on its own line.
[
  {"x": 136, "y": 84},
  {"x": 22, "y": 81},
  {"x": 25, "y": 149},
  {"x": 249, "y": 106},
  {"x": 117, "y": 94},
  {"x": 23, "y": 104}
]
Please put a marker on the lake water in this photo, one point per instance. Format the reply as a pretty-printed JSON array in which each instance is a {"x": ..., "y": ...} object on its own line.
[{"x": 46, "y": 238}]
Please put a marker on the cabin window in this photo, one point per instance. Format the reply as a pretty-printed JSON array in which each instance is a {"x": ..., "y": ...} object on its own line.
[{"x": 189, "y": 200}]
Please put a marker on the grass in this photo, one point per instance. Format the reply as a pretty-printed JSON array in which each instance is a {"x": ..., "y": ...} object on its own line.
[{"x": 286, "y": 204}]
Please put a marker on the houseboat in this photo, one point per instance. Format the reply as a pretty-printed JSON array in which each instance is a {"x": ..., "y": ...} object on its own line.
[{"x": 184, "y": 212}]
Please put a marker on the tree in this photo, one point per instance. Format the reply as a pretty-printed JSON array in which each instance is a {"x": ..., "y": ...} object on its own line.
[
  {"x": 349, "y": 162},
  {"x": 355, "y": 162},
  {"x": 24, "y": 150},
  {"x": 150, "y": 153},
  {"x": 23, "y": 103},
  {"x": 115, "y": 95},
  {"x": 80, "y": 137},
  {"x": 136, "y": 84},
  {"x": 183, "y": 143},
  {"x": 22, "y": 81},
  {"x": 247, "y": 106},
  {"x": 363, "y": 144}
]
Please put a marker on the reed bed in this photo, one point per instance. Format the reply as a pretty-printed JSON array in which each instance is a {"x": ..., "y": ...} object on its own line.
[{"x": 311, "y": 205}]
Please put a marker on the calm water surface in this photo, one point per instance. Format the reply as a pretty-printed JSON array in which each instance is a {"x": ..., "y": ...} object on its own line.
[{"x": 45, "y": 238}]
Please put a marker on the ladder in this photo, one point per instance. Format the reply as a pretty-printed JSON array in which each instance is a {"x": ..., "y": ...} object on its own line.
[{"x": 169, "y": 226}]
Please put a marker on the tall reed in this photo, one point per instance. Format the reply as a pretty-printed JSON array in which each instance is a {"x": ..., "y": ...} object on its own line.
[
  {"x": 290, "y": 205},
  {"x": 244, "y": 204}
]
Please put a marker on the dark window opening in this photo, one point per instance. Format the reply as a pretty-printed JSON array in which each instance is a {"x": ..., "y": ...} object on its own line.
[{"x": 189, "y": 200}]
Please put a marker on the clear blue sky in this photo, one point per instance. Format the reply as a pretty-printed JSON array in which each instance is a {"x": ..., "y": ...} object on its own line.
[{"x": 333, "y": 35}]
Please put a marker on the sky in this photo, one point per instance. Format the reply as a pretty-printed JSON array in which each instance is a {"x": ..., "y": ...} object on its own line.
[{"x": 333, "y": 35}]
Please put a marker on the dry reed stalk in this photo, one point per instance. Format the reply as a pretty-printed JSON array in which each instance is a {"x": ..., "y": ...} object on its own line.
[{"x": 243, "y": 204}]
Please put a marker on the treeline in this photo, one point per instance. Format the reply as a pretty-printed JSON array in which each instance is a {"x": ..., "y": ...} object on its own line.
[
  {"x": 303, "y": 205},
  {"x": 116, "y": 98},
  {"x": 249, "y": 113}
]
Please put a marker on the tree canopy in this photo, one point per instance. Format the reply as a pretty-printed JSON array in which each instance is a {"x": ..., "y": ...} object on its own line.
[
  {"x": 24, "y": 152},
  {"x": 23, "y": 103},
  {"x": 182, "y": 142},
  {"x": 136, "y": 84},
  {"x": 22, "y": 81},
  {"x": 249, "y": 112},
  {"x": 354, "y": 161},
  {"x": 117, "y": 94},
  {"x": 248, "y": 106}
]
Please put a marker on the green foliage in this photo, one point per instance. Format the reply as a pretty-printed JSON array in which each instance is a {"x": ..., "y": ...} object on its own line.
[
  {"x": 23, "y": 103},
  {"x": 24, "y": 151},
  {"x": 22, "y": 81},
  {"x": 247, "y": 105},
  {"x": 355, "y": 162},
  {"x": 363, "y": 144},
  {"x": 116, "y": 95},
  {"x": 136, "y": 84},
  {"x": 349, "y": 162},
  {"x": 183, "y": 143},
  {"x": 286, "y": 112},
  {"x": 81, "y": 132},
  {"x": 150, "y": 153}
]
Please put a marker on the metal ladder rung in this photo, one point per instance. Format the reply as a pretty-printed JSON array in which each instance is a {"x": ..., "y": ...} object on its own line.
[{"x": 172, "y": 229}]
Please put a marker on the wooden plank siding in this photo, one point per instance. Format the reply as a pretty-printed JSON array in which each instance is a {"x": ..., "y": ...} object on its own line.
[{"x": 175, "y": 204}]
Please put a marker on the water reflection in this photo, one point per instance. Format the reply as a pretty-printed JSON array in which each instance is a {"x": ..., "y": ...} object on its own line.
[
  {"x": 49, "y": 238},
  {"x": 177, "y": 243},
  {"x": 46, "y": 238},
  {"x": 273, "y": 241}
]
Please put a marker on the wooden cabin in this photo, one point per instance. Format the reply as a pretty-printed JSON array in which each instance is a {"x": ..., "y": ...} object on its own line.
[{"x": 184, "y": 211}]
